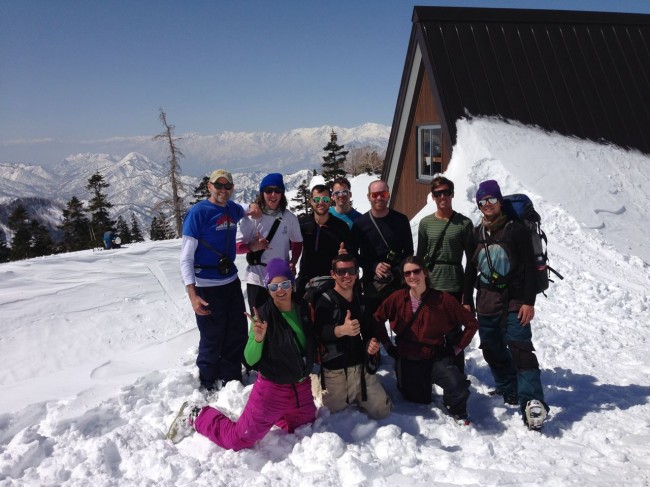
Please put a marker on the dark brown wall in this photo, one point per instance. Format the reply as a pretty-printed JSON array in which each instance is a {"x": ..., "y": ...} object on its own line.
[{"x": 411, "y": 193}]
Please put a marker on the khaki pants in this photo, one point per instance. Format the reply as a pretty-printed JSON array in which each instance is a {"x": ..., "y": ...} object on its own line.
[{"x": 343, "y": 387}]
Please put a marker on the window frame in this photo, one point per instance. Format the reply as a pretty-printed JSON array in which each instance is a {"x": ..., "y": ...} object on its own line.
[{"x": 435, "y": 165}]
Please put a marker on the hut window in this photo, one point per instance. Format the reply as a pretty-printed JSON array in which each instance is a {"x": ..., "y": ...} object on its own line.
[{"x": 429, "y": 151}]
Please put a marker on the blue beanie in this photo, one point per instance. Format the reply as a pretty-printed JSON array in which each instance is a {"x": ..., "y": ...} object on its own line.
[
  {"x": 274, "y": 179},
  {"x": 278, "y": 267},
  {"x": 489, "y": 188}
]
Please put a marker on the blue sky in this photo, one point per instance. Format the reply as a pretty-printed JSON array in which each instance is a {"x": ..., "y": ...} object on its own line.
[{"x": 84, "y": 70}]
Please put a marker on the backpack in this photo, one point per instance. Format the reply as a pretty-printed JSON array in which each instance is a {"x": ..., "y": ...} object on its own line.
[
  {"x": 519, "y": 207},
  {"x": 314, "y": 289}
]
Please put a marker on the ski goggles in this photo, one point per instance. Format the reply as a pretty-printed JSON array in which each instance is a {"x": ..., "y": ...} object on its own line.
[
  {"x": 274, "y": 286},
  {"x": 320, "y": 199},
  {"x": 492, "y": 200}
]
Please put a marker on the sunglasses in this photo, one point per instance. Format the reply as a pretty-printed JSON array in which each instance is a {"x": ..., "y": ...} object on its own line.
[
  {"x": 342, "y": 192},
  {"x": 274, "y": 286},
  {"x": 442, "y": 192},
  {"x": 342, "y": 271},
  {"x": 376, "y": 194},
  {"x": 415, "y": 272},
  {"x": 272, "y": 190},
  {"x": 492, "y": 200},
  {"x": 227, "y": 186},
  {"x": 320, "y": 199}
]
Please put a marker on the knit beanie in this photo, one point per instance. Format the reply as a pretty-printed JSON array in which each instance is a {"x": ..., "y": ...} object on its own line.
[
  {"x": 274, "y": 179},
  {"x": 278, "y": 267},
  {"x": 489, "y": 188}
]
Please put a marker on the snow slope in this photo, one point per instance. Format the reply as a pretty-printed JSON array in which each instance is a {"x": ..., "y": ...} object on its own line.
[{"x": 97, "y": 351}]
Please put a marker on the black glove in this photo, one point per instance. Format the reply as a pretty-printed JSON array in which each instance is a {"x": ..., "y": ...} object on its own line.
[{"x": 392, "y": 351}]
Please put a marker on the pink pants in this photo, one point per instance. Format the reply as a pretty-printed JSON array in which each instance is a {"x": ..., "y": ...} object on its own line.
[{"x": 285, "y": 405}]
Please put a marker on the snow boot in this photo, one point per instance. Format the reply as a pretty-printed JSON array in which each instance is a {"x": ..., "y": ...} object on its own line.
[
  {"x": 183, "y": 424},
  {"x": 535, "y": 413}
]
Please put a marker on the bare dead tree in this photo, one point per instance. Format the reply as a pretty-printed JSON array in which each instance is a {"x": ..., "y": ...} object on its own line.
[
  {"x": 364, "y": 160},
  {"x": 174, "y": 173}
]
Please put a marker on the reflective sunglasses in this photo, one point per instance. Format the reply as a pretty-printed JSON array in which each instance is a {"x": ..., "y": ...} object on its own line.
[
  {"x": 415, "y": 272},
  {"x": 271, "y": 190},
  {"x": 376, "y": 194},
  {"x": 227, "y": 186},
  {"x": 341, "y": 192},
  {"x": 320, "y": 199},
  {"x": 442, "y": 192},
  {"x": 274, "y": 286},
  {"x": 342, "y": 271},
  {"x": 492, "y": 200}
]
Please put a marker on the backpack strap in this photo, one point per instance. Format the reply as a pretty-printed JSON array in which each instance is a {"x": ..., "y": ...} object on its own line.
[{"x": 432, "y": 262}]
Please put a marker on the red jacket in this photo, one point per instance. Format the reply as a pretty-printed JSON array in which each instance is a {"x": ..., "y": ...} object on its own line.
[{"x": 441, "y": 315}]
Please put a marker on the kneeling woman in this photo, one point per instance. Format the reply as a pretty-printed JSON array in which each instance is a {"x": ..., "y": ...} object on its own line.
[
  {"x": 427, "y": 323},
  {"x": 281, "y": 348}
]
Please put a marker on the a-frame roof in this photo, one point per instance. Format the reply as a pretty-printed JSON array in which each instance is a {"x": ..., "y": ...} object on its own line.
[{"x": 585, "y": 74}]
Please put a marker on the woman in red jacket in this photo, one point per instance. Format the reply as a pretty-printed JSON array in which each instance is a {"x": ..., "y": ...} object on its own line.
[{"x": 424, "y": 321}]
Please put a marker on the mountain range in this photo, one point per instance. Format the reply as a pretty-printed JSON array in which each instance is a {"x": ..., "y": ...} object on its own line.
[{"x": 138, "y": 180}]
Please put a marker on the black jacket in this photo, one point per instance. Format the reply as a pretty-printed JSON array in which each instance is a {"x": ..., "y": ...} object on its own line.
[{"x": 283, "y": 359}]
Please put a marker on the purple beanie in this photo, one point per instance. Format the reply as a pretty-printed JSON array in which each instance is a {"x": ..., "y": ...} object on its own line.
[
  {"x": 274, "y": 179},
  {"x": 489, "y": 188},
  {"x": 278, "y": 267}
]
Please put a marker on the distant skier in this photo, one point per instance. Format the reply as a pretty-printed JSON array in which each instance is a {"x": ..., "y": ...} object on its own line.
[{"x": 108, "y": 239}]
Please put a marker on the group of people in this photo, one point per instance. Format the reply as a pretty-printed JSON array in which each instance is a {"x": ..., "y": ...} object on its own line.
[{"x": 374, "y": 276}]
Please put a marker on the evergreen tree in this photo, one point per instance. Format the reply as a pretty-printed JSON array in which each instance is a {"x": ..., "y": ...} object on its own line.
[
  {"x": 154, "y": 230},
  {"x": 161, "y": 229},
  {"x": 122, "y": 229},
  {"x": 201, "y": 192},
  {"x": 4, "y": 250},
  {"x": 20, "y": 225},
  {"x": 75, "y": 226},
  {"x": 98, "y": 206},
  {"x": 40, "y": 242},
  {"x": 302, "y": 206},
  {"x": 136, "y": 233},
  {"x": 333, "y": 162}
]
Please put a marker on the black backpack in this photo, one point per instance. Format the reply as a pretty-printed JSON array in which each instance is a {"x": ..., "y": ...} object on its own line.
[{"x": 519, "y": 207}]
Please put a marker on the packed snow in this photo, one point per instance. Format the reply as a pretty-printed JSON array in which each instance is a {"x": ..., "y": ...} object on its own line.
[{"x": 97, "y": 353}]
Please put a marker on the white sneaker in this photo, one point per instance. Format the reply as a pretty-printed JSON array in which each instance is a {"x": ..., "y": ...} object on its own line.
[
  {"x": 535, "y": 414},
  {"x": 183, "y": 424}
]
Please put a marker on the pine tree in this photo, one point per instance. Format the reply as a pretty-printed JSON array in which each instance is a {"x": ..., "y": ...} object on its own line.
[
  {"x": 154, "y": 230},
  {"x": 4, "y": 250},
  {"x": 201, "y": 192},
  {"x": 122, "y": 229},
  {"x": 20, "y": 242},
  {"x": 75, "y": 226},
  {"x": 302, "y": 206},
  {"x": 333, "y": 162},
  {"x": 40, "y": 242},
  {"x": 98, "y": 206},
  {"x": 136, "y": 233}
]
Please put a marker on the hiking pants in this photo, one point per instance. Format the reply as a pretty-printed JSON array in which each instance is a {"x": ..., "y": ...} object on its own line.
[
  {"x": 343, "y": 387},
  {"x": 509, "y": 352},
  {"x": 455, "y": 387},
  {"x": 223, "y": 333},
  {"x": 286, "y": 405}
]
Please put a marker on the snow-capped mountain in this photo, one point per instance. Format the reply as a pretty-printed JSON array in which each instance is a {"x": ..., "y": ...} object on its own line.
[
  {"x": 286, "y": 152},
  {"x": 138, "y": 181}
]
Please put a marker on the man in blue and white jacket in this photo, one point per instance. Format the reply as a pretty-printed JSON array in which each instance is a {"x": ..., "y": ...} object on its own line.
[{"x": 213, "y": 286}]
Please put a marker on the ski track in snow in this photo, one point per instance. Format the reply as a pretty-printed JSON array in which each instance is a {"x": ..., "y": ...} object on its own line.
[{"x": 97, "y": 353}]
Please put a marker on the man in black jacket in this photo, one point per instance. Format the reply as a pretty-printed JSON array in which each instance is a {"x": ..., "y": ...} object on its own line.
[
  {"x": 503, "y": 269},
  {"x": 324, "y": 237},
  {"x": 383, "y": 238},
  {"x": 344, "y": 338}
]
